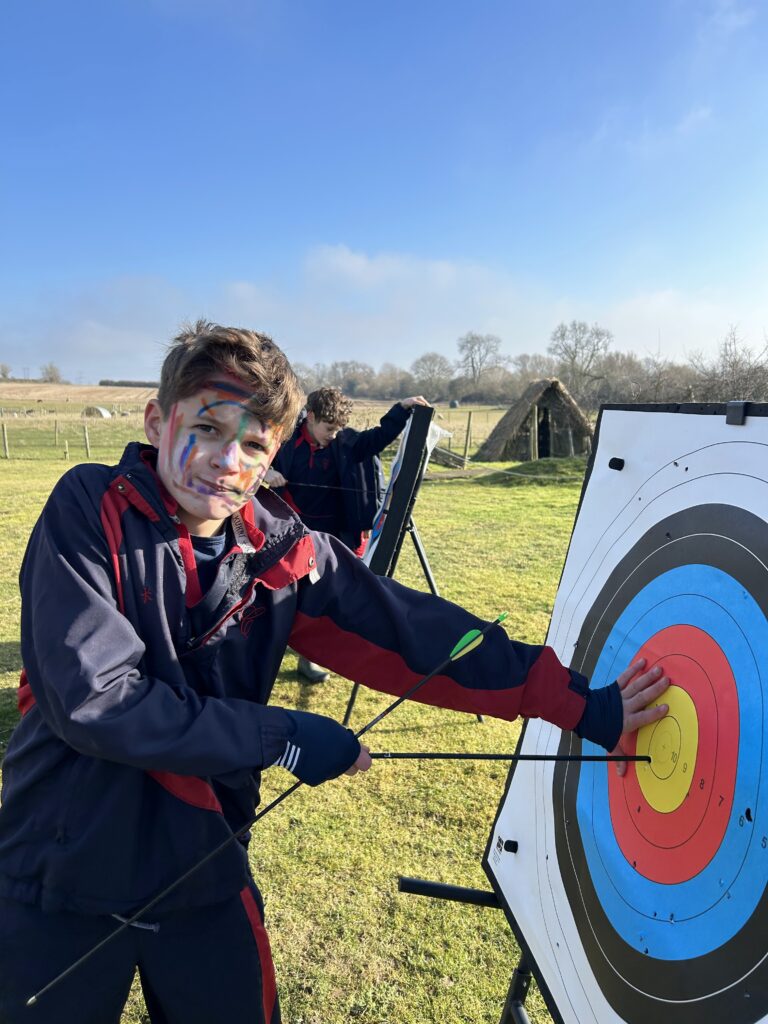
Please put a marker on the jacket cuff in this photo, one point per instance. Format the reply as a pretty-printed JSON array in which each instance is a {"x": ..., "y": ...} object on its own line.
[
  {"x": 399, "y": 413},
  {"x": 603, "y": 717},
  {"x": 318, "y": 748}
]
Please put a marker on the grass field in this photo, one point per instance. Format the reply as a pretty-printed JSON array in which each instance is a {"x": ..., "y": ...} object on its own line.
[{"x": 347, "y": 946}]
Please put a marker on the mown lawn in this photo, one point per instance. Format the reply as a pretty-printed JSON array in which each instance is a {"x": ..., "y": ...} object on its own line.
[{"x": 347, "y": 945}]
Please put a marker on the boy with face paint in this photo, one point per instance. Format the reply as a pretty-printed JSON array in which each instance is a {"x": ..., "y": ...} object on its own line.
[{"x": 158, "y": 597}]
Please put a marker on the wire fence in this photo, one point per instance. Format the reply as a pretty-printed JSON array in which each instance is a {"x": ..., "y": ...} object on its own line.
[
  {"x": 47, "y": 438},
  {"x": 45, "y": 433}
]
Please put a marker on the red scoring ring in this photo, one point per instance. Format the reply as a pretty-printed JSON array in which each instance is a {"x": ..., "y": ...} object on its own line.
[{"x": 671, "y": 848}]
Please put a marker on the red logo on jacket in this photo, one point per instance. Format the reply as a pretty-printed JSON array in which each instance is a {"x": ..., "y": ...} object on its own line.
[{"x": 249, "y": 616}]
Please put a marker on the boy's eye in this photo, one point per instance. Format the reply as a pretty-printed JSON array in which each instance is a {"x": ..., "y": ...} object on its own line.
[{"x": 204, "y": 428}]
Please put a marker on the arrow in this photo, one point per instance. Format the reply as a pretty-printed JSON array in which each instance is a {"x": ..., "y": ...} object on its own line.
[
  {"x": 422, "y": 756},
  {"x": 469, "y": 642}
]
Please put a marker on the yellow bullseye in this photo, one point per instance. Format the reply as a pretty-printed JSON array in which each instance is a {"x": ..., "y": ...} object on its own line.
[{"x": 672, "y": 745}]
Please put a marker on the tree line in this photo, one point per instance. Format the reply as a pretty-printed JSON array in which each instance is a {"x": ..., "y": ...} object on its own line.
[{"x": 581, "y": 355}]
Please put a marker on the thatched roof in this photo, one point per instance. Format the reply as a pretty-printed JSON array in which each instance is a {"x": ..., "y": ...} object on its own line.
[{"x": 548, "y": 393}]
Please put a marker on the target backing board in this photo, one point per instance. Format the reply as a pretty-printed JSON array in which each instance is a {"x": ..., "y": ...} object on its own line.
[{"x": 643, "y": 898}]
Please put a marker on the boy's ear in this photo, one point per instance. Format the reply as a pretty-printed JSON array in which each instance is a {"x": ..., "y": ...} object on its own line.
[{"x": 153, "y": 422}]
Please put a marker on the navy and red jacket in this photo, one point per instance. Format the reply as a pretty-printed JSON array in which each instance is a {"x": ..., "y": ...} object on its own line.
[
  {"x": 144, "y": 720},
  {"x": 359, "y": 474}
]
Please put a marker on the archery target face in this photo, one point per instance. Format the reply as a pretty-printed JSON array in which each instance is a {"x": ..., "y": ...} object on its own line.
[{"x": 642, "y": 898}]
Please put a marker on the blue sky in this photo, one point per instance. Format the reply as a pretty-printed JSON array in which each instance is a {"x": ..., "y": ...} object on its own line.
[{"x": 373, "y": 181}]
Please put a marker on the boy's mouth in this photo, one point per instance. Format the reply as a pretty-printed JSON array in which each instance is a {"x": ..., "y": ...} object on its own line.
[{"x": 219, "y": 488}]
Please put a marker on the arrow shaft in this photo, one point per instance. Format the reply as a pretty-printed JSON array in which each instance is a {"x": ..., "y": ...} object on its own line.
[{"x": 429, "y": 756}]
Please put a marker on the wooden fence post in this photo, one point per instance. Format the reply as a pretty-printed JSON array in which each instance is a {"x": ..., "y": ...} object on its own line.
[
  {"x": 6, "y": 449},
  {"x": 66, "y": 449},
  {"x": 87, "y": 441},
  {"x": 467, "y": 436},
  {"x": 56, "y": 432},
  {"x": 534, "y": 432}
]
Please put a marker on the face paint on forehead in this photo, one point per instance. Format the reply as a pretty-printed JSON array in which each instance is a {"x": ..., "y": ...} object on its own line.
[
  {"x": 240, "y": 400},
  {"x": 228, "y": 387}
]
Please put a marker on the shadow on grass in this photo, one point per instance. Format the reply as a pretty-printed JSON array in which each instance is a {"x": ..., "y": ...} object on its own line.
[
  {"x": 9, "y": 717},
  {"x": 306, "y": 689},
  {"x": 10, "y": 656},
  {"x": 456, "y": 726}
]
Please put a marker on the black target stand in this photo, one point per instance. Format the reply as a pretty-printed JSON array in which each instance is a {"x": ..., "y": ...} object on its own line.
[
  {"x": 398, "y": 515},
  {"x": 514, "y": 1007}
]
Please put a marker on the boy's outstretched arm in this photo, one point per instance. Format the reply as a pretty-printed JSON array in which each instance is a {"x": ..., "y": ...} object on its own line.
[{"x": 378, "y": 633}]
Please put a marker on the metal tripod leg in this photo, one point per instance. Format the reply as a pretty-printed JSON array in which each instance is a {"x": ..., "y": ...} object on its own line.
[
  {"x": 422, "y": 555},
  {"x": 425, "y": 567},
  {"x": 514, "y": 1007}
]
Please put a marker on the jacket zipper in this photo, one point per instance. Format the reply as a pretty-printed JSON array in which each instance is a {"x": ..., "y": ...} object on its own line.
[{"x": 196, "y": 642}]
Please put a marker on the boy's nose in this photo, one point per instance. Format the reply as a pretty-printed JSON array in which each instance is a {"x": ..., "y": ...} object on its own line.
[{"x": 227, "y": 457}]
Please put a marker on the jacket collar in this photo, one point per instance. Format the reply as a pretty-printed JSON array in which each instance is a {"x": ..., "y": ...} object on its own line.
[{"x": 265, "y": 527}]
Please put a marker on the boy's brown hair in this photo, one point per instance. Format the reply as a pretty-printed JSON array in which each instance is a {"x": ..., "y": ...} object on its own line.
[
  {"x": 330, "y": 406},
  {"x": 203, "y": 349}
]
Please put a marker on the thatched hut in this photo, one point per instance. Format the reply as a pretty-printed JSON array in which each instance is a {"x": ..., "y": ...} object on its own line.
[{"x": 544, "y": 422}]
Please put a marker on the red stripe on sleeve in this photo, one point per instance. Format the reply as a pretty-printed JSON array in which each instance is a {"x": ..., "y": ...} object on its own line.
[
  {"x": 25, "y": 699},
  {"x": 190, "y": 789},
  {"x": 113, "y": 504},
  {"x": 193, "y": 592},
  {"x": 548, "y": 693},
  {"x": 268, "y": 985},
  {"x": 545, "y": 693}
]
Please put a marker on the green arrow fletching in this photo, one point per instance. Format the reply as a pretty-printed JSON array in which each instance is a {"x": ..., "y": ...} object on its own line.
[
  {"x": 471, "y": 640},
  {"x": 468, "y": 643}
]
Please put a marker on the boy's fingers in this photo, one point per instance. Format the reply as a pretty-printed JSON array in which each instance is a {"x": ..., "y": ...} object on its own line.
[
  {"x": 363, "y": 762},
  {"x": 637, "y": 701},
  {"x": 640, "y": 718},
  {"x": 630, "y": 673},
  {"x": 621, "y": 766},
  {"x": 640, "y": 683}
]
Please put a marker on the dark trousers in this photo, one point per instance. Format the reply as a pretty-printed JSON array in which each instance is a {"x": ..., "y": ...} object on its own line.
[{"x": 201, "y": 966}]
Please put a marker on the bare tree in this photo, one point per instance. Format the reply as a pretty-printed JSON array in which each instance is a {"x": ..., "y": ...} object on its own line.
[
  {"x": 431, "y": 373},
  {"x": 527, "y": 367},
  {"x": 578, "y": 349},
  {"x": 50, "y": 374},
  {"x": 618, "y": 377},
  {"x": 352, "y": 377},
  {"x": 478, "y": 353},
  {"x": 393, "y": 382},
  {"x": 736, "y": 372},
  {"x": 661, "y": 380},
  {"x": 310, "y": 377}
]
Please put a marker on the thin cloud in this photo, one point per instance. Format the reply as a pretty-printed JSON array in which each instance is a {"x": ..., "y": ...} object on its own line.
[
  {"x": 344, "y": 303},
  {"x": 727, "y": 17},
  {"x": 694, "y": 120}
]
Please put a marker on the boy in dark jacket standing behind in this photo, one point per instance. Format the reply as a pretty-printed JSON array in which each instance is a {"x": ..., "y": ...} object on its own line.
[
  {"x": 325, "y": 468},
  {"x": 329, "y": 474},
  {"x": 158, "y": 597}
]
